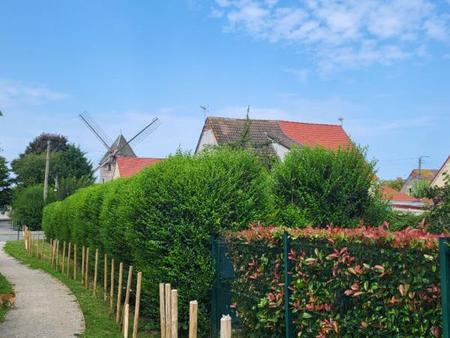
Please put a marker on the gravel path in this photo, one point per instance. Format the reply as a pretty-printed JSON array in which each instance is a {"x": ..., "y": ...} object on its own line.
[{"x": 44, "y": 306}]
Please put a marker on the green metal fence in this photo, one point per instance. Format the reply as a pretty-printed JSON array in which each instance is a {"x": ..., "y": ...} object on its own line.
[
  {"x": 444, "y": 257},
  {"x": 222, "y": 295}
]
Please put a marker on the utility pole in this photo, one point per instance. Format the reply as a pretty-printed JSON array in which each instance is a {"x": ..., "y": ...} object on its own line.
[
  {"x": 420, "y": 166},
  {"x": 47, "y": 167}
]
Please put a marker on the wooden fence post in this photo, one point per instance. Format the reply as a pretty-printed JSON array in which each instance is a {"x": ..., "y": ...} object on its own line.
[
  {"x": 83, "y": 259},
  {"x": 57, "y": 254},
  {"x": 86, "y": 273},
  {"x": 127, "y": 292},
  {"x": 63, "y": 257},
  {"x": 75, "y": 261},
  {"x": 225, "y": 327},
  {"x": 193, "y": 314},
  {"x": 111, "y": 287},
  {"x": 69, "y": 253},
  {"x": 162, "y": 310},
  {"x": 126, "y": 314},
  {"x": 105, "y": 277},
  {"x": 119, "y": 292},
  {"x": 174, "y": 313},
  {"x": 167, "y": 291},
  {"x": 137, "y": 304},
  {"x": 94, "y": 289}
]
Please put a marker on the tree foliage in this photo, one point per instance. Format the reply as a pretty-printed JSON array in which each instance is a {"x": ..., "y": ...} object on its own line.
[
  {"x": 5, "y": 184},
  {"x": 72, "y": 162},
  {"x": 58, "y": 143},
  {"x": 395, "y": 184},
  {"x": 439, "y": 217},
  {"x": 28, "y": 204}
]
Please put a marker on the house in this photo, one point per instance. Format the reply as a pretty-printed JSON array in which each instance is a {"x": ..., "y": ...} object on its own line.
[
  {"x": 129, "y": 166},
  {"x": 273, "y": 137},
  {"x": 402, "y": 202},
  {"x": 415, "y": 176},
  {"x": 439, "y": 178}
]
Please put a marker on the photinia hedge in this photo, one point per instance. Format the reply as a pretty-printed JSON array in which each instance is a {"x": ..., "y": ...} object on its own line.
[{"x": 362, "y": 282}]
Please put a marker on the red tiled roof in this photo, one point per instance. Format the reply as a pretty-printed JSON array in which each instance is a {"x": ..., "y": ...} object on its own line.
[
  {"x": 396, "y": 196},
  {"x": 329, "y": 136},
  {"x": 129, "y": 166}
]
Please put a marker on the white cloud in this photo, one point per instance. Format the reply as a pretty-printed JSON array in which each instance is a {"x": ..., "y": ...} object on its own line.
[
  {"x": 342, "y": 33},
  {"x": 16, "y": 93},
  {"x": 301, "y": 74}
]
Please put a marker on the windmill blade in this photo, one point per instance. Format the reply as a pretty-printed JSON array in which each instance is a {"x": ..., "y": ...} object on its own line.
[
  {"x": 96, "y": 130},
  {"x": 147, "y": 130}
]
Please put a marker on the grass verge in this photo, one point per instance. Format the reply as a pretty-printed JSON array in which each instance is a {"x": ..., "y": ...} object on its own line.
[
  {"x": 5, "y": 287},
  {"x": 99, "y": 321}
]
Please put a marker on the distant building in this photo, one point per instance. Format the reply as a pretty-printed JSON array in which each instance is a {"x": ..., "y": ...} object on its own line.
[
  {"x": 274, "y": 137},
  {"x": 402, "y": 202},
  {"x": 439, "y": 178},
  {"x": 120, "y": 147},
  {"x": 415, "y": 176}
]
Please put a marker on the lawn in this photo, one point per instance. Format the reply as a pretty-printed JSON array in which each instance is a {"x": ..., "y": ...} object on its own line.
[{"x": 5, "y": 288}]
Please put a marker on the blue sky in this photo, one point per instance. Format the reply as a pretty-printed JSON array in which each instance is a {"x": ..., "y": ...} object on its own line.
[{"x": 382, "y": 65}]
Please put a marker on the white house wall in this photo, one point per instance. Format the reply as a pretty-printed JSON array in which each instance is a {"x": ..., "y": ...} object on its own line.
[
  {"x": 280, "y": 150},
  {"x": 207, "y": 139}
]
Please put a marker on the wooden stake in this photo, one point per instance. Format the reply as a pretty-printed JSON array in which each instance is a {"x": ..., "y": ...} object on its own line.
[
  {"x": 174, "y": 313},
  {"x": 225, "y": 327},
  {"x": 69, "y": 253},
  {"x": 83, "y": 258},
  {"x": 57, "y": 255},
  {"x": 137, "y": 304},
  {"x": 167, "y": 292},
  {"x": 63, "y": 257},
  {"x": 75, "y": 261},
  {"x": 105, "y": 277},
  {"x": 130, "y": 277},
  {"x": 125, "y": 320},
  {"x": 193, "y": 314},
  {"x": 95, "y": 272},
  {"x": 86, "y": 273},
  {"x": 119, "y": 292},
  {"x": 111, "y": 287},
  {"x": 162, "y": 310}
]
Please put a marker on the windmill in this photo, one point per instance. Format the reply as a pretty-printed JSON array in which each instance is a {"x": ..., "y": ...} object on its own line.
[{"x": 120, "y": 147}]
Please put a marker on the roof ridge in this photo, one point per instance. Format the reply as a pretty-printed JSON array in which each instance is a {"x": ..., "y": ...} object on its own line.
[{"x": 273, "y": 120}]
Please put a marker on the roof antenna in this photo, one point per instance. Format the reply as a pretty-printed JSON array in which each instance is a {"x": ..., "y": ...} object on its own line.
[
  {"x": 341, "y": 121},
  {"x": 205, "y": 110}
]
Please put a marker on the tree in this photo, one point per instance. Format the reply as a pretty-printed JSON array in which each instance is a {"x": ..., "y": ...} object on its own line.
[
  {"x": 319, "y": 187},
  {"x": 39, "y": 144},
  {"x": 419, "y": 189},
  {"x": 72, "y": 162},
  {"x": 28, "y": 204},
  {"x": 396, "y": 184},
  {"x": 5, "y": 184}
]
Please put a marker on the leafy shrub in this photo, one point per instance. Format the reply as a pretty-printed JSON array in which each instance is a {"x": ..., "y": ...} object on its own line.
[
  {"x": 162, "y": 220},
  {"x": 362, "y": 282},
  {"x": 439, "y": 217},
  {"x": 319, "y": 186},
  {"x": 28, "y": 205}
]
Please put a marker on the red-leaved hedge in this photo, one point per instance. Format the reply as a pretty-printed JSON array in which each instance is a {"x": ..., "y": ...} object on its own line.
[{"x": 362, "y": 282}]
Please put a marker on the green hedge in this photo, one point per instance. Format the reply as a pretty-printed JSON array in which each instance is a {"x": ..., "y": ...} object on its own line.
[
  {"x": 363, "y": 282},
  {"x": 163, "y": 219}
]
